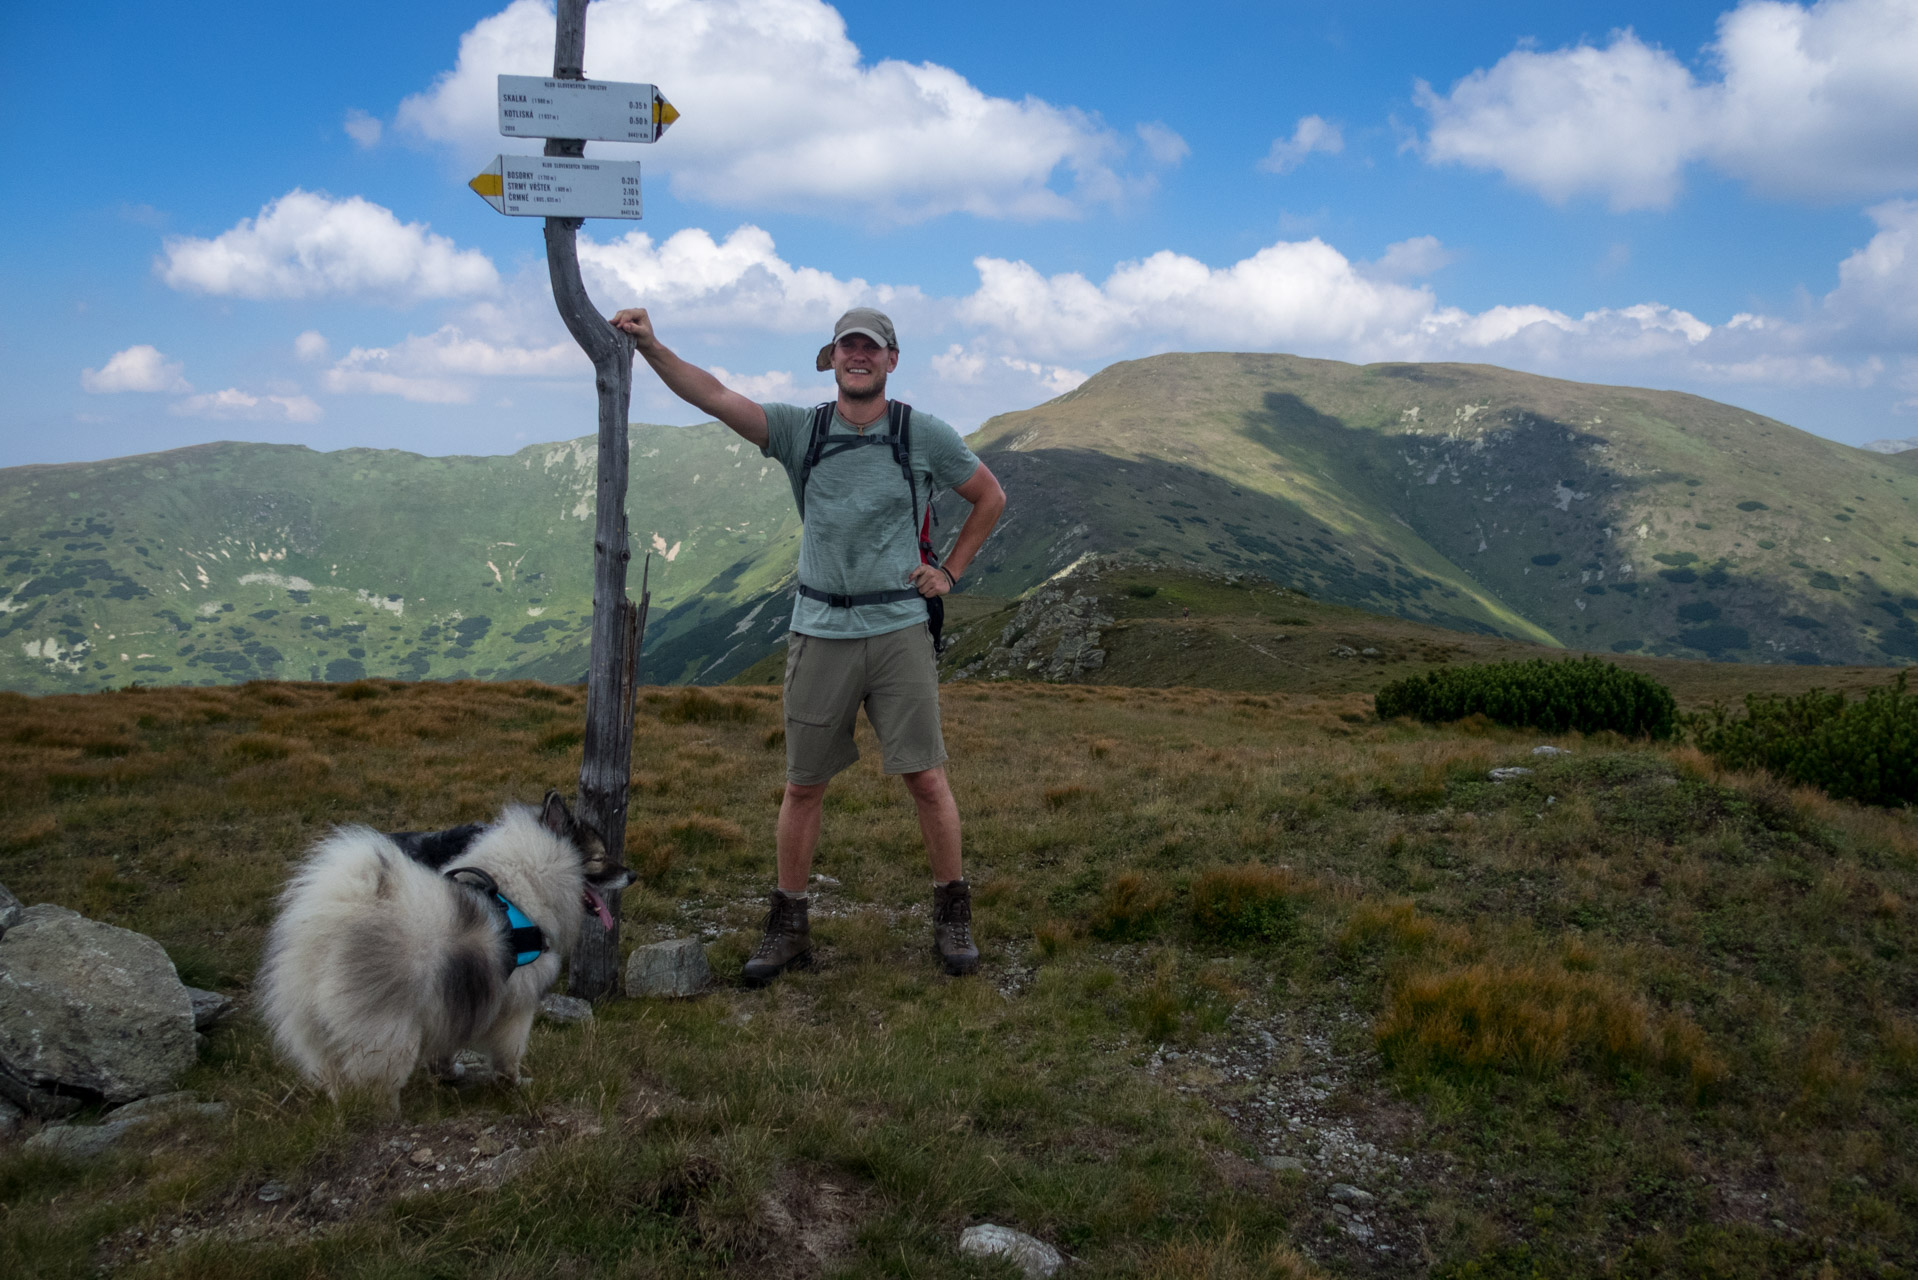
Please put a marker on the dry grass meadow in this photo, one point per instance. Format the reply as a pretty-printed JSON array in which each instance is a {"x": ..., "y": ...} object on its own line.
[{"x": 1628, "y": 1016}]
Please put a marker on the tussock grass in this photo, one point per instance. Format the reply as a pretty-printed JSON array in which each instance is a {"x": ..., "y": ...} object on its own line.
[
  {"x": 1632, "y": 990},
  {"x": 1538, "y": 1019}
]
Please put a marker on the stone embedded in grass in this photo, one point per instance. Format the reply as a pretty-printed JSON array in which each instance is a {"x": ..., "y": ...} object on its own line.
[
  {"x": 1034, "y": 1257},
  {"x": 209, "y": 1008},
  {"x": 554, "y": 1007},
  {"x": 1284, "y": 1164},
  {"x": 1511, "y": 774},
  {"x": 672, "y": 969},
  {"x": 11, "y": 909},
  {"x": 85, "y": 1142},
  {"x": 1346, "y": 1193}
]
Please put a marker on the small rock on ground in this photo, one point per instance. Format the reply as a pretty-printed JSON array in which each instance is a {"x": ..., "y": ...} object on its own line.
[
  {"x": 86, "y": 1141},
  {"x": 555, "y": 1007},
  {"x": 1034, "y": 1257},
  {"x": 209, "y": 1008},
  {"x": 1508, "y": 774},
  {"x": 1346, "y": 1193},
  {"x": 675, "y": 968}
]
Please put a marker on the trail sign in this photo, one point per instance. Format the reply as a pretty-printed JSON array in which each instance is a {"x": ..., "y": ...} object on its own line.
[
  {"x": 591, "y": 110},
  {"x": 560, "y": 187}
]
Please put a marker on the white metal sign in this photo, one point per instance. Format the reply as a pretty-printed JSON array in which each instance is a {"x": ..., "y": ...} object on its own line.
[
  {"x": 595, "y": 110},
  {"x": 560, "y": 187}
]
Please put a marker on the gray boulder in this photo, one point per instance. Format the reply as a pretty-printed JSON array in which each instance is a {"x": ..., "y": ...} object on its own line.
[
  {"x": 10, "y": 909},
  {"x": 11, "y": 1118},
  {"x": 88, "y": 1013},
  {"x": 676, "y": 968}
]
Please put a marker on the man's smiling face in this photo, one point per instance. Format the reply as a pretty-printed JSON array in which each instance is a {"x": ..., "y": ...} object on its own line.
[{"x": 860, "y": 366}]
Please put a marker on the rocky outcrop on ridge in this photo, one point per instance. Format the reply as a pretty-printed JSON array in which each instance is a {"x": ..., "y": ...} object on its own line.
[{"x": 1054, "y": 636}]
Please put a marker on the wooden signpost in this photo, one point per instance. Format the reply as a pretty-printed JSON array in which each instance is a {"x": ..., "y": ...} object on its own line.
[{"x": 564, "y": 187}]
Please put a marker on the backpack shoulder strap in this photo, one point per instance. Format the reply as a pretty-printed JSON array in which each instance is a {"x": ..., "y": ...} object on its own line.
[
  {"x": 900, "y": 434},
  {"x": 816, "y": 440}
]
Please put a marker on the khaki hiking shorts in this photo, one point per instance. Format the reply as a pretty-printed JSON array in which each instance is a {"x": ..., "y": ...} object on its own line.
[{"x": 895, "y": 675}]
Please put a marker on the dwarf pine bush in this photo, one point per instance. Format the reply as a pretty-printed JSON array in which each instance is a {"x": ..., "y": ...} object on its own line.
[
  {"x": 1586, "y": 695},
  {"x": 1865, "y": 751}
]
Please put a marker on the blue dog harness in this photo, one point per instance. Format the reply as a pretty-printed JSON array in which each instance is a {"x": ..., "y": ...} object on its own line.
[{"x": 525, "y": 941}]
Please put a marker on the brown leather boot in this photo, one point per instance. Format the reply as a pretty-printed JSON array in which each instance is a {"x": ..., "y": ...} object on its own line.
[
  {"x": 952, "y": 927},
  {"x": 787, "y": 944}
]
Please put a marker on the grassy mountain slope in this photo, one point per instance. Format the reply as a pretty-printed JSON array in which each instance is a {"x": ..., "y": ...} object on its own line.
[
  {"x": 229, "y": 562},
  {"x": 1460, "y": 496},
  {"x": 1476, "y": 498}
]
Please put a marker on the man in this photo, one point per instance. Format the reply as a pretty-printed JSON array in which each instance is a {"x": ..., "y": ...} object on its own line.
[{"x": 859, "y": 624}]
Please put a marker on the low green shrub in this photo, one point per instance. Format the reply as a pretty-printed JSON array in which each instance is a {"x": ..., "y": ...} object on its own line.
[
  {"x": 1586, "y": 695},
  {"x": 1865, "y": 751}
]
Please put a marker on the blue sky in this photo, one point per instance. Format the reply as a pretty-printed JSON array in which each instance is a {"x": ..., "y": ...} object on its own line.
[{"x": 251, "y": 222}]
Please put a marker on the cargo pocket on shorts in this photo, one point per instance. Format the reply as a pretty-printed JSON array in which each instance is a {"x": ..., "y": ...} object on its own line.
[{"x": 806, "y": 703}]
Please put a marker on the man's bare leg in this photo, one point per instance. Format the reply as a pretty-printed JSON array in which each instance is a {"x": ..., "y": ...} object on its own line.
[
  {"x": 798, "y": 833},
  {"x": 938, "y": 822}
]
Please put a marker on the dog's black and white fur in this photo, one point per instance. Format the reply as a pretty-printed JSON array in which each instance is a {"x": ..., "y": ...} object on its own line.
[{"x": 379, "y": 961}]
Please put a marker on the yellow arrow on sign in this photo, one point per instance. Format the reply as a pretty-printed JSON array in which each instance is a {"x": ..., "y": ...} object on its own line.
[
  {"x": 488, "y": 184},
  {"x": 663, "y": 113}
]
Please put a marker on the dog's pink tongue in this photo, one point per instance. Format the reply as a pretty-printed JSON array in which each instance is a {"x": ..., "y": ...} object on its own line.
[{"x": 598, "y": 906}]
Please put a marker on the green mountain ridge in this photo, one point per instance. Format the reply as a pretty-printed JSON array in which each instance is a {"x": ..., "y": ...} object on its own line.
[
  {"x": 1477, "y": 498},
  {"x": 1467, "y": 496},
  {"x": 228, "y": 562}
]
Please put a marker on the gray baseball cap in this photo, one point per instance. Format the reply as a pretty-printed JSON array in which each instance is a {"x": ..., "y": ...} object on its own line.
[{"x": 876, "y": 325}]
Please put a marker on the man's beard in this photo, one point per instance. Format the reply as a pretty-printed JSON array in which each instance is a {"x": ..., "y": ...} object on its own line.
[{"x": 878, "y": 391}]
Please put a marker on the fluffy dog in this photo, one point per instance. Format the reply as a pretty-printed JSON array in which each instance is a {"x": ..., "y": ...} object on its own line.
[{"x": 380, "y": 959}]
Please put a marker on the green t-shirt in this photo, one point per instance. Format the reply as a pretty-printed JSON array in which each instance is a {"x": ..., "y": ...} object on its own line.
[{"x": 861, "y": 533}]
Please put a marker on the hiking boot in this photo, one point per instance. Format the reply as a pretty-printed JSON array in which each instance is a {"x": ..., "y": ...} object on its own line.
[
  {"x": 952, "y": 927},
  {"x": 787, "y": 944}
]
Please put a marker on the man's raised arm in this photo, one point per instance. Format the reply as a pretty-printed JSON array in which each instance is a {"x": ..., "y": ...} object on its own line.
[{"x": 693, "y": 384}]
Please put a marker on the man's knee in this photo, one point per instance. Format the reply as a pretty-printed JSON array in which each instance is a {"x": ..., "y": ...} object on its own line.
[
  {"x": 927, "y": 785},
  {"x": 805, "y": 794}
]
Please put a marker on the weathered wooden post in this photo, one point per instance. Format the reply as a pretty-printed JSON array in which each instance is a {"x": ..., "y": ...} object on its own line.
[
  {"x": 565, "y": 187},
  {"x": 605, "y": 774}
]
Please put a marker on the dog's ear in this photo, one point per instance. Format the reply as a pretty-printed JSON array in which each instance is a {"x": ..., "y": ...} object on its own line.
[{"x": 555, "y": 816}]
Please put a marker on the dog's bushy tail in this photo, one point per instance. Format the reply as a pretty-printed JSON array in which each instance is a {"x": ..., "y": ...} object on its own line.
[{"x": 374, "y": 963}]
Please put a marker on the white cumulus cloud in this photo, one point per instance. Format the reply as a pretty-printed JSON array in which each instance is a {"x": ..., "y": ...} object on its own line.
[
  {"x": 779, "y": 108},
  {"x": 1285, "y": 295},
  {"x": 739, "y": 281},
  {"x": 1162, "y": 144},
  {"x": 140, "y": 368},
  {"x": 308, "y": 245},
  {"x": 1815, "y": 101},
  {"x": 362, "y": 128},
  {"x": 1312, "y": 133},
  {"x": 439, "y": 368},
  {"x": 774, "y": 386},
  {"x": 234, "y": 403},
  {"x": 311, "y": 346}
]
